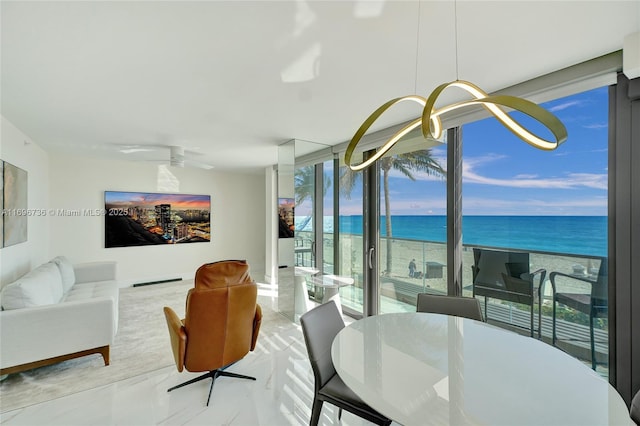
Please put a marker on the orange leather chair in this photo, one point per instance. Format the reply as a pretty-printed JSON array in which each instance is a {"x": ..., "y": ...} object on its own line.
[{"x": 221, "y": 324}]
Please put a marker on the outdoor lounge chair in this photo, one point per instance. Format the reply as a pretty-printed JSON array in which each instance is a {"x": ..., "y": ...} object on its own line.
[
  {"x": 505, "y": 275},
  {"x": 594, "y": 303}
]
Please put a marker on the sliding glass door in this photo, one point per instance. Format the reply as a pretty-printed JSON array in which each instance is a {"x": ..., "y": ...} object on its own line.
[{"x": 412, "y": 223}]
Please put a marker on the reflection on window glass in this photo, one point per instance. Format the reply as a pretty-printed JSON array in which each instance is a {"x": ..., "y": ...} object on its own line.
[
  {"x": 304, "y": 182},
  {"x": 327, "y": 211},
  {"x": 350, "y": 243}
]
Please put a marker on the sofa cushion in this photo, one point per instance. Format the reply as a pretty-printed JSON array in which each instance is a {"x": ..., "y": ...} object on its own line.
[
  {"x": 95, "y": 271},
  {"x": 82, "y": 291},
  {"x": 66, "y": 272},
  {"x": 42, "y": 286},
  {"x": 87, "y": 291}
]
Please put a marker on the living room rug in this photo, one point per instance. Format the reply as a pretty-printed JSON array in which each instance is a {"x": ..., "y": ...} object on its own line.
[{"x": 141, "y": 345}]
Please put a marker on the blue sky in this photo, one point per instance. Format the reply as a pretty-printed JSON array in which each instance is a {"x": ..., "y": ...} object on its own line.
[{"x": 504, "y": 176}]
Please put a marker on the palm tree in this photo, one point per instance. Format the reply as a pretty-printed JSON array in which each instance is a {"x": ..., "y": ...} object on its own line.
[
  {"x": 417, "y": 161},
  {"x": 304, "y": 188},
  {"x": 303, "y": 182},
  {"x": 348, "y": 180}
]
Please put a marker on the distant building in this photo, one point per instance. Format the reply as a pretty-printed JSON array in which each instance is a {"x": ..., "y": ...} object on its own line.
[
  {"x": 163, "y": 217},
  {"x": 181, "y": 231},
  {"x": 194, "y": 215}
]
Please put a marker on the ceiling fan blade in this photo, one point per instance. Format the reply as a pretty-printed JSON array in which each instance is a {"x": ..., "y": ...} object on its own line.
[
  {"x": 177, "y": 156},
  {"x": 198, "y": 164}
]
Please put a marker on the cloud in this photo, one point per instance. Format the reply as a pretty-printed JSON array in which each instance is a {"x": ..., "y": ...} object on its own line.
[
  {"x": 485, "y": 158},
  {"x": 418, "y": 175},
  {"x": 493, "y": 203},
  {"x": 525, "y": 176},
  {"x": 596, "y": 126},
  {"x": 350, "y": 207},
  {"x": 569, "y": 181},
  {"x": 591, "y": 151},
  {"x": 417, "y": 207},
  {"x": 565, "y": 105}
]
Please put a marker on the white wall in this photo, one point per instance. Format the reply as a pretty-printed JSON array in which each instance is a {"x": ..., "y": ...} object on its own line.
[
  {"x": 19, "y": 150},
  {"x": 237, "y": 219}
]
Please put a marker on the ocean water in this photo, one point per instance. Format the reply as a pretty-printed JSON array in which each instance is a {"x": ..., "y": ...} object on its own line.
[{"x": 585, "y": 235}]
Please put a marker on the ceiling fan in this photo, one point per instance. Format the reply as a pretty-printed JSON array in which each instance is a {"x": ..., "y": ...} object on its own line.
[{"x": 178, "y": 156}]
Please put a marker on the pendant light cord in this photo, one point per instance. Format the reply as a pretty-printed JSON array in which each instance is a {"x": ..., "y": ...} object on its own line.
[
  {"x": 431, "y": 122},
  {"x": 455, "y": 29},
  {"x": 415, "y": 81}
]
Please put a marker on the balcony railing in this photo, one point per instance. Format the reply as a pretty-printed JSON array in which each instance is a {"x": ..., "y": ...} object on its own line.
[{"x": 399, "y": 291}]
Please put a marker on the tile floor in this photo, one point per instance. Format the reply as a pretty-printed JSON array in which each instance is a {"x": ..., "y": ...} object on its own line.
[{"x": 281, "y": 395}]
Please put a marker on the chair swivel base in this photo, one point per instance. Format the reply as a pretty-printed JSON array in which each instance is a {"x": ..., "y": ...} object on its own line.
[{"x": 213, "y": 374}]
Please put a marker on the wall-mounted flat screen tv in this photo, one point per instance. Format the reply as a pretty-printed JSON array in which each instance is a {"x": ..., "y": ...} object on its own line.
[{"x": 143, "y": 218}]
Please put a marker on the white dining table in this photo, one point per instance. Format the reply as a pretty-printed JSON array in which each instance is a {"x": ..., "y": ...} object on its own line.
[{"x": 431, "y": 369}]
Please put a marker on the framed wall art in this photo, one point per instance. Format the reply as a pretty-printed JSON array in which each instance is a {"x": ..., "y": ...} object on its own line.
[
  {"x": 143, "y": 218},
  {"x": 14, "y": 204}
]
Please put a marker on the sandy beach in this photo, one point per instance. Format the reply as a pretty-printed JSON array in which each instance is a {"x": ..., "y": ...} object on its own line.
[{"x": 434, "y": 255}]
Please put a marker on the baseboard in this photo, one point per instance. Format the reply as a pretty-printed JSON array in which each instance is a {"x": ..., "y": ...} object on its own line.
[{"x": 157, "y": 282}]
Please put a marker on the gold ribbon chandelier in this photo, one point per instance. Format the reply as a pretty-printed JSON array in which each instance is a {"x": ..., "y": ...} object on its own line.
[{"x": 432, "y": 124}]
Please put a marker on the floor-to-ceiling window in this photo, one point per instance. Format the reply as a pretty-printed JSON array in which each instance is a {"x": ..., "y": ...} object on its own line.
[
  {"x": 546, "y": 210},
  {"x": 542, "y": 215},
  {"x": 541, "y": 219}
]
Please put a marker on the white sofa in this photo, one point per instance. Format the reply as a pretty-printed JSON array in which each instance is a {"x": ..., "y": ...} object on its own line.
[{"x": 56, "y": 312}]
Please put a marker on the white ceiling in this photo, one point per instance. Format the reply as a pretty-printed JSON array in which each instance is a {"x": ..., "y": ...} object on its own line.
[{"x": 231, "y": 80}]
